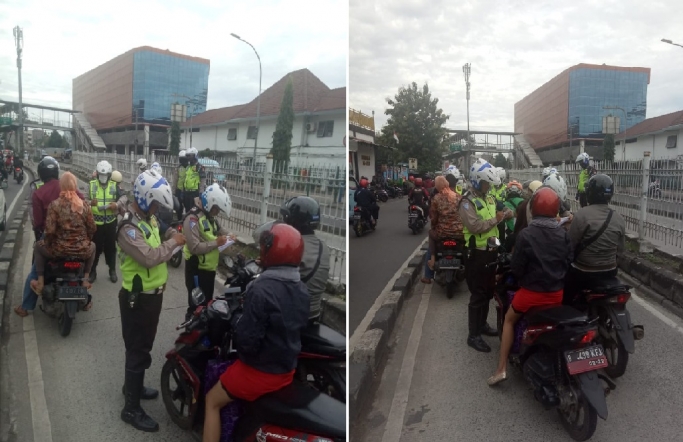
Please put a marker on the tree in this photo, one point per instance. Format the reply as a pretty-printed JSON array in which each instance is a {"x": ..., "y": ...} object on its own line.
[
  {"x": 418, "y": 123},
  {"x": 55, "y": 139},
  {"x": 500, "y": 161},
  {"x": 282, "y": 137},
  {"x": 608, "y": 147},
  {"x": 175, "y": 138}
]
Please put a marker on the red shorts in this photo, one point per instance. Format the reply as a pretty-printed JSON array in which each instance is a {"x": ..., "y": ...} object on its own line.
[
  {"x": 525, "y": 299},
  {"x": 241, "y": 381}
]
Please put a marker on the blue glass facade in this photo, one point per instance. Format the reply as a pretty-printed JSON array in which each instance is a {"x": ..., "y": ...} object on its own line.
[
  {"x": 157, "y": 76},
  {"x": 591, "y": 89}
]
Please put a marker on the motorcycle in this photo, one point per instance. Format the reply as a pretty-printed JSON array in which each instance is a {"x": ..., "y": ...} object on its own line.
[
  {"x": 395, "y": 192},
  {"x": 283, "y": 415},
  {"x": 381, "y": 195},
  {"x": 177, "y": 257},
  {"x": 416, "y": 218},
  {"x": 322, "y": 361},
  {"x": 448, "y": 267},
  {"x": 63, "y": 292},
  {"x": 361, "y": 221},
  {"x": 555, "y": 348},
  {"x": 19, "y": 175},
  {"x": 616, "y": 332}
]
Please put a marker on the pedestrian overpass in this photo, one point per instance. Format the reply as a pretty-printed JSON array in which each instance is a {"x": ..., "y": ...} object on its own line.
[{"x": 464, "y": 150}]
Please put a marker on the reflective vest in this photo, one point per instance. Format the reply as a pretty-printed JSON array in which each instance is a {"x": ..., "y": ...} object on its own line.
[
  {"x": 486, "y": 210},
  {"x": 130, "y": 269},
  {"x": 583, "y": 179},
  {"x": 182, "y": 171},
  {"x": 207, "y": 231},
  {"x": 192, "y": 178},
  {"x": 458, "y": 189},
  {"x": 499, "y": 193},
  {"x": 38, "y": 184},
  {"x": 105, "y": 196}
]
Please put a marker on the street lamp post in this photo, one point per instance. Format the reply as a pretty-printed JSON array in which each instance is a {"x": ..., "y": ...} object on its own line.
[
  {"x": 258, "y": 99},
  {"x": 666, "y": 40},
  {"x": 19, "y": 40},
  {"x": 623, "y": 142},
  {"x": 466, "y": 69}
]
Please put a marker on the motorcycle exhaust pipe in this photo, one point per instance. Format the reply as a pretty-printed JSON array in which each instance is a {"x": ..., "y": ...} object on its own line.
[{"x": 638, "y": 332}]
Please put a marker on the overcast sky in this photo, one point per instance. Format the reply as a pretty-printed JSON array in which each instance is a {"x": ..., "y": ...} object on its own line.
[
  {"x": 63, "y": 40},
  {"x": 514, "y": 47}
]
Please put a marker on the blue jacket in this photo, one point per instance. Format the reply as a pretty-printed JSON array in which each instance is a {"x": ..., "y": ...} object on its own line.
[{"x": 267, "y": 335}]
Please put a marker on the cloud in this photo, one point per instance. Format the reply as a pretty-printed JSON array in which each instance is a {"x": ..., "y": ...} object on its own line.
[
  {"x": 514, "y": 47},
  {"x": 63, "y": 40}
]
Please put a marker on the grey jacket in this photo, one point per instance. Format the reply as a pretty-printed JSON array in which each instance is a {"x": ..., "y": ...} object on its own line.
[
  {"x": 601, "y": 255},
  {"x": 317, "y": 282}
]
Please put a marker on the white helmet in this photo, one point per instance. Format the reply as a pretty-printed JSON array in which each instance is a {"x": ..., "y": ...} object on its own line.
[
  {"x": 104, "y": 171},
  {"x": 181, "y": 154},
  {"x": 502, "y": 174},
  {"x": 583, "y": 159},
  {"x": 192, "y": 151},
  {"x": 142, "y": 164},
  {"x": 216, "y": 195},
  {"x": 548, "y": 171},
  {"x": 482, "y": 170},
  {"x": 116, "y": 176},
  {"x": 157, "y": 167},
  {"x": 557, "y": 183},
  {"x": 150, "y": 186}
]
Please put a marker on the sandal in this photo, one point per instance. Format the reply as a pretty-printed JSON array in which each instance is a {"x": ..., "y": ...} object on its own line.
[
  {"x": 20, "y": 311},
  {"x": 426, "y": 280},
  {"x": 88, "y": 306}
]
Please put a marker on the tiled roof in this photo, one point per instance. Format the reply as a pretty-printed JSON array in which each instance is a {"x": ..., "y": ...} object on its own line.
[
  {"x": 653, "y": 124},
  {"x": 310, "y": 94}
]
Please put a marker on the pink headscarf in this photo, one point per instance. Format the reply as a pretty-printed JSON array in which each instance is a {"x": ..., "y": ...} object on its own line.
[
  {"x": 68, "y": 185},
  {"x": 441, "y": 184}
]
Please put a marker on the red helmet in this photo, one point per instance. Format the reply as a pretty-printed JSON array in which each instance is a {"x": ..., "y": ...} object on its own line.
[
  {"x": 363, "y": 183},
  {"x": 418, "y": 181},
  {"x": 545, "y": 202},
  {"x": 411, "y": 178},
  {"x": 282, "y": 245}
]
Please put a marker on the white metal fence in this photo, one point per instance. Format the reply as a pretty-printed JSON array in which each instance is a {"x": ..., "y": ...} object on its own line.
[
  {"x": 648, "y": 194},
  {"x": 257, "y": 194}
]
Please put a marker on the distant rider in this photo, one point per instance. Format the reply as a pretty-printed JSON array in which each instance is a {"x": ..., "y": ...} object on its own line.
[
  {"x": 367, "y": 201},
  {"x": 419, "y": 196},
  {"x": 586, "y": 173}
]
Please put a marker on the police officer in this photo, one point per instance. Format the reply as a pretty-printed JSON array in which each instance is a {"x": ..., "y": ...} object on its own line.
[
  {"x": 103, "y": 197},
  {"x": 194, "y": 175},
  {"x": 587, "y": 171},
  {"x": 480, "y": 220},
  {"x": 142, "y": 166},
  {"x": 144, "y": 273},
  {"x": 180, "y": 180},
  {"x": 204, "y": 236}
]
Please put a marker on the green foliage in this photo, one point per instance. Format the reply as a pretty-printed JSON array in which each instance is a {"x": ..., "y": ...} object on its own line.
[
  {"x": 175, "y": 138},
  {"x": 282, "y": 137},
  {"x": 500, "y": 161},
  {"x": 419, "y": 124},
  {"x": 608, "y": 147},
  {"x": 55, "y": 140}
]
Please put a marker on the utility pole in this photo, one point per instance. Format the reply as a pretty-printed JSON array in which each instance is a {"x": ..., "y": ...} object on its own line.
[
  {"x": 19, "y": 40},
  {"x": 466, "y": 69}
]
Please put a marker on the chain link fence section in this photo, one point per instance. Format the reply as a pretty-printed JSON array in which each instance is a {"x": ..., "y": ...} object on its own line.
[
  {"x": 663, "y": 223},
  {"x": 326, "y": 184}
]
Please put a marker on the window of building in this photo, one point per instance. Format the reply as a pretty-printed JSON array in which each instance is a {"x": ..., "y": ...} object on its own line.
[
  {"x": 251, "y": 133},
  {"x": 325, "y": 128},
  {"x": 671, "y": 141},
  {"x": 232, "y": 134}
]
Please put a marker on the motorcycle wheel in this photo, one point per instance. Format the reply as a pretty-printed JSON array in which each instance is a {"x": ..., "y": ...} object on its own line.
[
  {"x": 64, "y": 322},
  {"x": 177, "y": 401},
  {"x": 616, "y": 354},
  {"x": 176, "y": 259},
  {"x": 383, "y": 198},
  {"x": 358, "y": 229},
  {"x": 583, "y": 411}
]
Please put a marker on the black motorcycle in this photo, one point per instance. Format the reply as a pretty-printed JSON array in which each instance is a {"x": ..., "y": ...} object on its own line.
[
  {"x": 63, "y": 292},
  {"x": 361, "y": 221},
  {"x": 395, "y": 192},
  {"x": 448, "y": 264},
  {"x": 555, "y": 349},
  {"x": 381, "y": 195},
  {"x": 417, "y": 219}
]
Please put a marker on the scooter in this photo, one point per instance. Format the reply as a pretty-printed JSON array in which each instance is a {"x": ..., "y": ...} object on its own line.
[
  {"x": 19, "y": 175},
  {"x": 361, "y": 221},
  {"x": 448, "y": 264},
  {"x": 63, "y": 292},
  {"x": 416, "y": 218}
]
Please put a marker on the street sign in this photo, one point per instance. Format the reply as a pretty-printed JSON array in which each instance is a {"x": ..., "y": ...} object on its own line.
[
  {"x": 5, "y": 121},
  {"x": 412, "y": 163},
  {"x": 456, "y": 147}
]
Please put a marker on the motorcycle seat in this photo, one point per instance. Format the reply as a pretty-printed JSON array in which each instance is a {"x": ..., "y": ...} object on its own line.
[
  {"x": 300, "y": 407},
  {"x": 555, "y": 314},
  {"x": 321, "y": 339},
  {"x": 55, "y": 267},
  {"x": 609, "y": 286}
]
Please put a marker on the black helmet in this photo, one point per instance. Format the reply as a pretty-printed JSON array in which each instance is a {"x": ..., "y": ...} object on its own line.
[
  {"x": 301, "y": 212},
  {"x": 48, "y": 169},
  {"x": 600, "y": 189}
]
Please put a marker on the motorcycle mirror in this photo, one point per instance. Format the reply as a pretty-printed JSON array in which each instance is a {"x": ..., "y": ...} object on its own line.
[
  {"x": 229, "y": 262},
  {"x": 197, "y": 294},
  {"x": 493, "y": 242}
]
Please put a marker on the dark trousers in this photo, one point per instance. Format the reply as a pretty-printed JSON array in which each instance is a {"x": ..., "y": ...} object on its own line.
[
  {"x": 139, "y": 327},
  {"x": 481, "y": 282},
  {"x": 105, "y": 241},
  {"x": 206, "y": 281},
  {"x": 188, "y": 199},
  {"x": 179, "y": 195},
  {"x": 583, "y": 201},
  {"x": 577, "y": 280},
  {"x": 371, "y": 210}
]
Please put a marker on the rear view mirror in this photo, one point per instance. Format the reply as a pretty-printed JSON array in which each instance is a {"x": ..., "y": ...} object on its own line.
[{"x": 493, "y": 243}]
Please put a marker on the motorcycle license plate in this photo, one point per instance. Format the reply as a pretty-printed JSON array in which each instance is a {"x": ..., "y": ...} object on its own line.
[
  {"x": 586, "y": 359},
  {"x": 449, "y": 264},
  {"x": 75, "y": 293},
  {"x": 412, "y": 215},
  {"x": 356, "y": 216}
]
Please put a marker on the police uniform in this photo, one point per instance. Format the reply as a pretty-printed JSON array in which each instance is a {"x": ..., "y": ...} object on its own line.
[
  {"x": 105, "y": 236},
  {"x": 180, "y": 187},
  {"x": 194, "y": 175},
  {"x": 478, "y": 215},
  {"x": 584, "y": 176},
  {"x": 201, "y": 252}
]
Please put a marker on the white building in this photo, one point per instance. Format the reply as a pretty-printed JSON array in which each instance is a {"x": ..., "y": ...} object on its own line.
[
  {"x": 662, "y": 136},
  {"x": 318, "y": 133}
]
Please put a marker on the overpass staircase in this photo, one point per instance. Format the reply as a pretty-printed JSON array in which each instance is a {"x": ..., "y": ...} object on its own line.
[{"x": 87, "y": 136}]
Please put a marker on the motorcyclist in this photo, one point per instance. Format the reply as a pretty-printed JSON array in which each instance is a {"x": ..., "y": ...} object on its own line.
[
  {"x": 557, "y": 183},
  {"x": 367, "y": 201},
  {"x": 547, "y": 172},
  {"x": 445, "y": 219},
  {"x": 587, "y": 171},
  {"x": 480, "y": 220},
  {"x": 419, "y": 196},
  {"x": 18, "y": 163},
  {"x": 180, "y": 179},
  {"x": 410, "y": 184},
  {"x": 513, "y": 198},
  {"x": 598, "y": 236},
  {"x": 539, "y": 263}
]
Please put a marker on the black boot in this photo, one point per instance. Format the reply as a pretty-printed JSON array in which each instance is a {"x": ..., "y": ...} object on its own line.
[
  {"x": 486, "y": 329},
  {"x": 474, "y": 339},
  {"x": 147, "y": 393},
  {"x": 112, "y": 274},
  {"x": 132, "y": 412}
]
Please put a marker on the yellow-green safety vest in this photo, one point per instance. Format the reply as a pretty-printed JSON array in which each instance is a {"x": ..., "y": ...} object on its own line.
[
  {"x": 486, "y": 210},
  {"x": 192, "y": 178},
  {"x": 207, "y": 231},
  {"x": 458, "y": 190},
  {"x": 498, "y": 193},
  {"x": 182, "y": 171},
  {"x": 105, "y": 196},
  {"x": 583, "y": 179},
  {"x": 153, "y": 278}
]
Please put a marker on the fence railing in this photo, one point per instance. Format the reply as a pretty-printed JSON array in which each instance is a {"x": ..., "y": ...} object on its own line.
[
  {"x": 648, "y": 193},
  {"x": 256, "y": 194}
]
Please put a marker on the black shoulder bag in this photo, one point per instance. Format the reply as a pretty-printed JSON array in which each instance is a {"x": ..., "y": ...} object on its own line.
[
  {"x": 317, "y": 264},
  {"x": 584, "y": 244}
]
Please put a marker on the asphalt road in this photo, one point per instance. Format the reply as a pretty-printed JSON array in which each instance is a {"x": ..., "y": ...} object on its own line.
[
  {"x": 433, "y": 387},
  {"x": 377, "y": 256}
]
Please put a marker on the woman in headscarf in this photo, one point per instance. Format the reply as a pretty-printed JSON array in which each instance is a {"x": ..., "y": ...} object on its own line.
[
  {"x": 69, "y": 227},
  {"x": 444, "y": 217}
]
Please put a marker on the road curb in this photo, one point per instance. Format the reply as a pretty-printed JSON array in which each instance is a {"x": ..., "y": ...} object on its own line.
[
  {"x": 371, "y": 348},
  {"x": 652, "y": 296}
]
